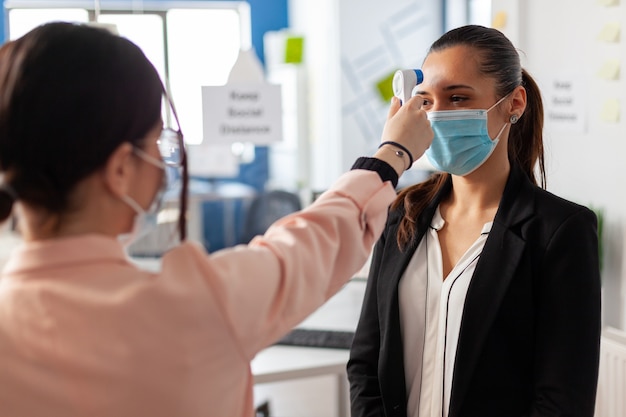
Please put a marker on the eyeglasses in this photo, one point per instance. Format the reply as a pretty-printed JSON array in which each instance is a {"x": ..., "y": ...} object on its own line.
[
  {"x": 171, "y": 147},
  {"x": 171, "y": 142}
]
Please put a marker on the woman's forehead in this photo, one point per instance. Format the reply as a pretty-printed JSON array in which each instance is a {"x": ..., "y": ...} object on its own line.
[{"x": 456, "y": 65}]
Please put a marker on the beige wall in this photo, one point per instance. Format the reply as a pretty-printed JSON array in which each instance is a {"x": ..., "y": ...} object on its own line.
[{"x": 559, "y": 40}]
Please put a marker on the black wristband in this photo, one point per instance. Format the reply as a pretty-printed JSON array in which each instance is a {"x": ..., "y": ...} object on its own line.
[
  {"x": 384, "y": 170},
  {"x": 404, "y": 148}
]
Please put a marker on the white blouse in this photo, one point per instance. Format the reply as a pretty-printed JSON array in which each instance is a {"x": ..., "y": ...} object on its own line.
[{"x": 431, "y": 309}]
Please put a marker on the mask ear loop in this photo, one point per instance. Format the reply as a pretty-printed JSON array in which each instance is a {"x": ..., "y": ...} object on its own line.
[
  {"x": 498, "y": 102},
  {"x": 497, "y": 138}
]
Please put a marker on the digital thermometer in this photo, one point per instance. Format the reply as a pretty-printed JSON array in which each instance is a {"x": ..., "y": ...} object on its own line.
[{"x": 404, "y": 81}]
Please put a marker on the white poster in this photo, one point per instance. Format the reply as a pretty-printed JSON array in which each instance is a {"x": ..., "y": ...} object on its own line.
[
  {"x": 564, "y": 104},
  {"x": 242, "y": 112}
]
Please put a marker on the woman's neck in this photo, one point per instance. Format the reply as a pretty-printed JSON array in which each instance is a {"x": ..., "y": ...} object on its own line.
[
  {"x": 91, "y": 211},
  {"x": 479, "y": 191}
]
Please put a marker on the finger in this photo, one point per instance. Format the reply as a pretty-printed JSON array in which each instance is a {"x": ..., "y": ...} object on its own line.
[
  {"x": 416, "y": 102},
  {"x": 395, "y": 106}
]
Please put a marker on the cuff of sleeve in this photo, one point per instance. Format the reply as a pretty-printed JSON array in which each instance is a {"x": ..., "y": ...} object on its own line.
[{"x": 384, "y": 170}]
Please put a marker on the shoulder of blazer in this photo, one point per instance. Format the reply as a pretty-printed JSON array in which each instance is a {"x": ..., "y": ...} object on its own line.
[
  {"x": 522, "y": 200},
  {"x": 553, "y": 207}
]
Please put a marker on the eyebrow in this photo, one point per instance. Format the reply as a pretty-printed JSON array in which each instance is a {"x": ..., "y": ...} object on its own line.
[{"x": 449, "y": 88}]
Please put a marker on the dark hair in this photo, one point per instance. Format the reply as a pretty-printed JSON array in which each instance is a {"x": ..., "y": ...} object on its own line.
[
  {"x": 498, "y": 59},
  {"x": 69, "y": 96}
]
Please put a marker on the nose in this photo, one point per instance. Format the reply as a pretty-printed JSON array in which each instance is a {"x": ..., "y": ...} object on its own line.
[{"x": 434, "y": 107}]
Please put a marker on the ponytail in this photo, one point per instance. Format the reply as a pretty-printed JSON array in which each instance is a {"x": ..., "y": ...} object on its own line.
[
  {"x": 7, "y": 198},
  {"x": 526, "y": 136}
]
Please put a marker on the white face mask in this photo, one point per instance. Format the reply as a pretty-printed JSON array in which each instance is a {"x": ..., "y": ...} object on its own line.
[{"x": 145, "y": 221}]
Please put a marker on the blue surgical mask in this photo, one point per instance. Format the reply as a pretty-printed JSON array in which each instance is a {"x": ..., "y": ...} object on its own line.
[{"x": 461, "y": 143}]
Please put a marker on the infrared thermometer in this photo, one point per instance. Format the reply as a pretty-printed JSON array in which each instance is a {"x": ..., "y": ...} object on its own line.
[{"x": 404, "y": 83}]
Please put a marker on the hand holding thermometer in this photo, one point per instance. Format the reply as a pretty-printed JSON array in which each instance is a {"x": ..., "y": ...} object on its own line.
[
  {"x": 414, "y": 91},
  {"x": 404, "y": 81}
]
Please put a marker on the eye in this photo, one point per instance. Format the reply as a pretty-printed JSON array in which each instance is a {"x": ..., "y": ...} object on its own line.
[
  {"x": 457, "y": 99},
  {"x": 426, "y": 103}
]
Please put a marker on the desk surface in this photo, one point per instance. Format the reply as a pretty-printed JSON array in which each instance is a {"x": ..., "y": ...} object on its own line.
[
  {"x": 341, "y": 312},
  {"x": 281, "y": 362},
  {"x": 278, "y": 363}
]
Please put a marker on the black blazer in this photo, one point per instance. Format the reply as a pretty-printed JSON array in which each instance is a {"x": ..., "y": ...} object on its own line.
[{"x": 530, "y": 334}]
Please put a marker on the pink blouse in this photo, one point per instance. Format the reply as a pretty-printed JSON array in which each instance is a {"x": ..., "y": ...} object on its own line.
[{"x": 83, "y": 331}]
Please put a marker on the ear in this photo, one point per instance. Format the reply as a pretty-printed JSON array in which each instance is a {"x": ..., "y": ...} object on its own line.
[
  {"x": 119, "y": 170},
  {"x": 517, "y": 102}
]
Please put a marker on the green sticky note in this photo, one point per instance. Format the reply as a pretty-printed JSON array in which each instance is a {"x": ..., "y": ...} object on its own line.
[
  {"x": 293, "y": 49},
  {"x": 385, "y": 86}
]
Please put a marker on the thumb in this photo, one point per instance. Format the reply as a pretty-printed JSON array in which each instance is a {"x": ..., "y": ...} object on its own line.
[{"x": 395, "y": 106}]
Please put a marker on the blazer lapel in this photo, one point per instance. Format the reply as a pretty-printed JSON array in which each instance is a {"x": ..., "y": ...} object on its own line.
[
  {"x": 494, "y": 271},
  {"x": 392, "y": 268},
  {"x": 395, "y": 264}
]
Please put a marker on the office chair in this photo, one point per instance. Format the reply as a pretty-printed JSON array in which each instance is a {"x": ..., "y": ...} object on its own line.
[{"x": 265, "y": 209}]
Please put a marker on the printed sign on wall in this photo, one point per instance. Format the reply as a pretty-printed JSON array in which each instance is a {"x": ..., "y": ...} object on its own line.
[
  {"x": 242, "y": 112},
  {"x": 564, "y": 104}
]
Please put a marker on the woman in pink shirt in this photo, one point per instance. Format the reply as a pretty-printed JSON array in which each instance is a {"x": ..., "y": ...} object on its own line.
[{"x": 83, "y": 331}]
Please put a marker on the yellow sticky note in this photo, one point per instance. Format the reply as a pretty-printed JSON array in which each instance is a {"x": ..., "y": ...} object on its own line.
[
  {"x": 294, "y": 47},
  {"x": 610, "y": 70},
  {"x": 610, "y": 32},
  {"x": 385, "y": 86},
  {"x": 499, "y": 20},
  {"x": 610, "y": 111},
  {"x": 608, "y": 2}
]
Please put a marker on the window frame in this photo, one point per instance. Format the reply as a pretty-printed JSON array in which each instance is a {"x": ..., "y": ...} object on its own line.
[
  {"x": 127, "y": 7},
  {"x": 462, "y": 12}
]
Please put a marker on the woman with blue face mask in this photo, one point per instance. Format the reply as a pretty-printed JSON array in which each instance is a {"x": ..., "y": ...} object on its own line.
[
  {"x": 483, "y": 297},
  {"x": 84, "y": 155}
]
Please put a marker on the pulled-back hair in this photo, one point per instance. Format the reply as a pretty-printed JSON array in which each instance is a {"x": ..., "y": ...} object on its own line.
[
  {"x": 499, "y": 60},
  {"x": 69, "y": 96}
]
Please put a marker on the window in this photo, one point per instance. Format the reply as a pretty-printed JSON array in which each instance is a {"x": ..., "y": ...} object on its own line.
[
  {"x": 191, "y": 44},
  {"x": 462, "y": 12}
]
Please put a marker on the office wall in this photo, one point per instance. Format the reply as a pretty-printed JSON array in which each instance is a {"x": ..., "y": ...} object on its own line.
[
  {"x": 558, "y": 42},
  {"x": 585, "y": 134},
  {"x": 574, "y": 62},
  {"x": 351, "y": 47}
]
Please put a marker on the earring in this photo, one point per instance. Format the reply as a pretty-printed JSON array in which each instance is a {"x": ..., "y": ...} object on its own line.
[{"x": 514, "y": 118}]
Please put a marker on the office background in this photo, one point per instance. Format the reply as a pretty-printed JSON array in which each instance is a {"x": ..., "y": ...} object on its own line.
[
  {"x": 574, "y": 62},
  {"x": 576, "y": 56},
  {"x": 576, "y": 53}
]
